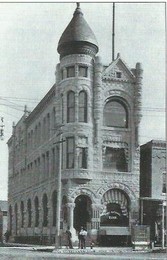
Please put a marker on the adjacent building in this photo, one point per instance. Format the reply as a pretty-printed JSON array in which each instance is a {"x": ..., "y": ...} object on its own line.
[
  {"x": 153, "y": 188},
  {"x": 3, "y": 218},
  {"x": 85, "y": 130}
]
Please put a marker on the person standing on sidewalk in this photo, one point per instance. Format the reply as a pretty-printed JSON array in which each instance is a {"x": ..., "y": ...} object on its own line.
[
  {"x": 82, "y": 237},
  {"x": 69, "y": 236}
]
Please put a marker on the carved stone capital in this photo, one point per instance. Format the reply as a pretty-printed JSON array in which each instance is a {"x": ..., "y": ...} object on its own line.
[
  {"x": 97, "y": 206},
  {"x": 70, "y": 205}
]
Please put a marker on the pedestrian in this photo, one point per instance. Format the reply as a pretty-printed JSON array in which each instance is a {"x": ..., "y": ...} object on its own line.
[
  {"x": 79, "y": 238},
  {"x": 7, "y": 235},
  {"x": 69, "y": 236},
  {"x": 82, "y": 237},
  {"x": 41, "y": 238}
]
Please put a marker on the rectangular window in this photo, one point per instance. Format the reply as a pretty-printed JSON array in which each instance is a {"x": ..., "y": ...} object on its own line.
[
  {"x": 118, "y": 74},
  {"x": 83, "y": 71},
  {"x": 164, "y": 182},
  {"x": 70, "y": 107},
  {"x": 70, "y": 71},
  {"x": 70, "y": 152},
  {"x": 115, "y": 159},
  {"x": 82, "y": 158}
]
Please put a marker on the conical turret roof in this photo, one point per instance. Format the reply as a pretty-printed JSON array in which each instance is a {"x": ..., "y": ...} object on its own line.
[{"x": 77, "y": 37}]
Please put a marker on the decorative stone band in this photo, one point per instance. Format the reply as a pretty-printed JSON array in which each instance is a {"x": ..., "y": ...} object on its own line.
[{"x": 78, "y": 48}]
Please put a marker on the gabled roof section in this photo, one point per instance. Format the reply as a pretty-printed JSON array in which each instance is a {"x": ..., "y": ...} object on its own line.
[{"x": 118, "y": 70}]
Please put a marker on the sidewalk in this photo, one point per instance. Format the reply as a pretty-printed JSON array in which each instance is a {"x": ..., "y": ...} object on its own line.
[
  {"x": 88, "y": 250},
  {"x": 94, "y": 251},
  {"x": 75, "y": 250}
]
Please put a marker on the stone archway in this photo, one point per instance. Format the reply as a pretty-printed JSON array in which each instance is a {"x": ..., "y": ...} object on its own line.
[
  {"x": 118, "y": 202},
  {"x": 116, "y": 211},
  {"x": 82, "y": 212},
  {"x": 133, "y": 199}
]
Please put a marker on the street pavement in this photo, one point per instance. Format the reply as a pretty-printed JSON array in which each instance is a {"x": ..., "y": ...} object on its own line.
[{"x": 97, "y": 253}]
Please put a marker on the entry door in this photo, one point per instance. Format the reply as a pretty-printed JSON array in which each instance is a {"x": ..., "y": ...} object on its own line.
[{"x": 82, "y": 212}]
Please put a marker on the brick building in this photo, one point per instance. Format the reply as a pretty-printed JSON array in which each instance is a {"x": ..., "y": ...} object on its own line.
[
  {"x": 92, "y": 113},
  {"x": 3, "y": 218},
  {"x": 153, "y": 188}
]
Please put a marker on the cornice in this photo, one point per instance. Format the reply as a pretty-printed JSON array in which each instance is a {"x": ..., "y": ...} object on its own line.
[{"x": 41, "y": 105}]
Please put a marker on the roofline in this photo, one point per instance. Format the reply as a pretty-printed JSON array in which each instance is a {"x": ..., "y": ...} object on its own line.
[
  {"x": 46, "y": 98},
  {"x": 154, "y": 142}
]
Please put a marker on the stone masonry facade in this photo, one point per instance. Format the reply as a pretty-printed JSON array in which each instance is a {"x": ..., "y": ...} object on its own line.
[{"x": 99, "y": 159}]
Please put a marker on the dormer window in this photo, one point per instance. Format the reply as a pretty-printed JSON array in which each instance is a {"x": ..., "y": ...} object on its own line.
[
  {"x": 70, "y": 71},
  {"x": 83, "y": 71},
  {"x": 118, "y": 75}
]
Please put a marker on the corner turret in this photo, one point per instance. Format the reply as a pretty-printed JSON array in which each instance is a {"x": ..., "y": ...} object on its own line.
[{"x": 78, "y": 38}]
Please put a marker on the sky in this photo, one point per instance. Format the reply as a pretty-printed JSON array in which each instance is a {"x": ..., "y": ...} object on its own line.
[{"x": 29, "y": 35}]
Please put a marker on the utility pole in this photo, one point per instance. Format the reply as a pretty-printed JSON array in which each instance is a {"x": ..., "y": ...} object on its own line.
[
  {"x": 163, "y": 226},
  {"x": 59, "y": 191},
  {"x": 113, "y": 33}
]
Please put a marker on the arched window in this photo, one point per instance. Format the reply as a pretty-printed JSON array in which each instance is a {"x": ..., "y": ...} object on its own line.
[
  {"x": 44, "y": 129},
  {"x": 45, "y": 210},
  {"x": 115, "y": 114},
  {"x": 36, "y": 203},
  {"x": 70, "y": 107},
  {"x": 54, "y": 206},
  {"x": 32, "y": 138},
  {"x": 48, "y": 125},
  {"x": 39, "y": 133},
  {"x": 82, "y": 106},
  {"x": 22, "y": 213},
  {"x": 35, "y": 135},
  {"x": 54, "y": 118},
  {"x": 29, "y": 212}
]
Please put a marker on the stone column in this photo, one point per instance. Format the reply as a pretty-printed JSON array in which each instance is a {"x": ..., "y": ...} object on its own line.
[
  {"x": 138, "y": 92},
  {"x": 97, "y": 96},
  {"x": 49, "y": 225},
  {"x": 95, "y": 222},
  {"x": 70, "y": 221},
  {"x": 96, "y": 209},
  {"x": 40, "y": 217}
]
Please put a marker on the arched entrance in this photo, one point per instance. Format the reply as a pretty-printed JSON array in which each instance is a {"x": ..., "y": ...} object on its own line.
[
  {"x": 116, "y": 212},
  {"x": 82, "y": 212},
  {"x": 115, "y": 218}
]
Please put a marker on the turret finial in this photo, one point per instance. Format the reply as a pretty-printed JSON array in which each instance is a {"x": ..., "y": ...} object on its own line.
[{"x": 78, "y": 9}]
